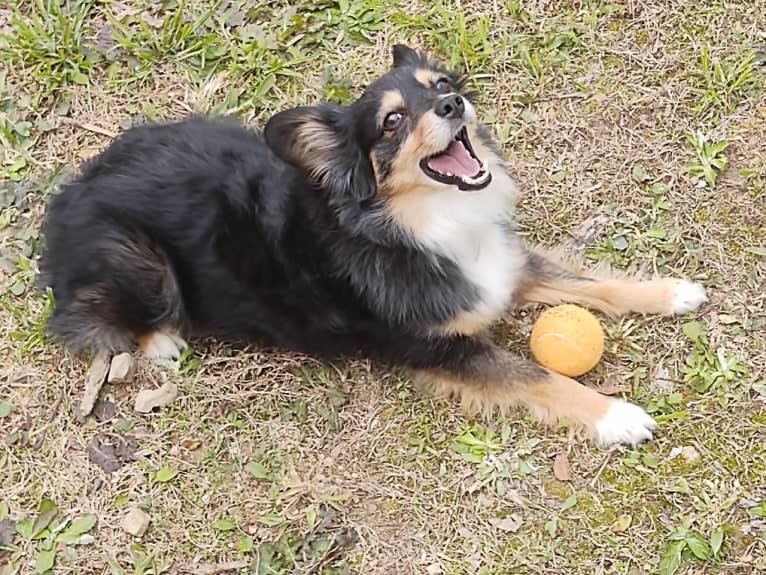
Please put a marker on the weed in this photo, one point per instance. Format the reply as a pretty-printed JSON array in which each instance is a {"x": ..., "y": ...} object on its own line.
[
  {"x": 710, "y": 162},
  {"x": 48, "y": 42},
  {"x": 143, "y": 563},
  {"x": 706, "y": 369},
  {"x": 686, "y": 544},
  {"x": 720, "y": 85}
]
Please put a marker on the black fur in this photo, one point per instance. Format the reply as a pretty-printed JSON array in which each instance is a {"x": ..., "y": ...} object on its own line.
[
  {"x": 204, "y": 227},
  {"x": 198, "y": 225}
]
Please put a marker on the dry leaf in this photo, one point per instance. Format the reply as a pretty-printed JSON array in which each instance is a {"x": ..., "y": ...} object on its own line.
[
  {"x": 148, "y": 399},
  {"x": 561, "y": 468},
  {"x": 89, "y": 152},
  {"x": 94, "y": 380},
  {"x": 661, "y": 381},
  {"x": 622, "y": 523},
  {"x": 613, "y": 386},
  {"x": 191, "y": 444},
  {"x": 510, "y": 524},
  {"x": 434, "y": 569},
  {"x": 110, "y": 451},
  {"x": 104, "y": 410},
  {"x": 7, "y": 532}
]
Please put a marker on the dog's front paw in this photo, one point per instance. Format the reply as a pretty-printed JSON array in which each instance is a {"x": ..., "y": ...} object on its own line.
[
  {"x": 624, "y": 423},
  {"x": 687, "y": 296}
]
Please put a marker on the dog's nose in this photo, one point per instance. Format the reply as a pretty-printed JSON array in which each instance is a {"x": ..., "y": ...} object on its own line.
[{"x": 450, "y": 107}]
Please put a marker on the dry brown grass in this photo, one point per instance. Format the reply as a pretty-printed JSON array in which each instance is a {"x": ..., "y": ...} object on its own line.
[{"x": 604, "y": 113}]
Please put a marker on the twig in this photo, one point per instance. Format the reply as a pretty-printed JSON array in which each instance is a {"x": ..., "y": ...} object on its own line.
[
  {"x": 601, "y": 469},
  {"x": 88, "y": 126},
  {"x": 213, "y": 568}
]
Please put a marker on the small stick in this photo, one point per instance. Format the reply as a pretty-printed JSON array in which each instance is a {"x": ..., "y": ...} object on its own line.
[
  {"x": 601, "y": 469},
  {"x": 88, "y": 126}
]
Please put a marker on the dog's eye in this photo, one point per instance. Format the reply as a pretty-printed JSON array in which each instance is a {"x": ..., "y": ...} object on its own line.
[
  {"x": 392, "y": 120},
  {"x": 443, "y": 86}
]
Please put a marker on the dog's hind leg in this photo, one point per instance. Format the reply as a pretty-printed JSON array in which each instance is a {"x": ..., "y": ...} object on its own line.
[
  {"x": 547, "y": 281},
  {"x": 121, "y": 292}
]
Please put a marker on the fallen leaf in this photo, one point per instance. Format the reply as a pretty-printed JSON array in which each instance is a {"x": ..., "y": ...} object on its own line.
[
  {"x": 110, "y": 451},
  {"x": 88, "y": 152},
  {"x": 165, "y": 474},
  {"x": 149, "y": 399},
  {"x": 661, "y": 380},
  {"x": 434, "y": 569},
  {"x": 104, "y": 410},
  {"x": 191, "y": 444},
  {"x": 7, "y": 532},
  {"x": 509, "y": 524},
  {"x": 94, "y": 380},
  {"x": 104, "y": 40},
  {"x": 561, "y": 468},
  {"x": 5, "y": 409},
  {"x": 622, "y": 523},
  {"x": 613, "y": 386}
]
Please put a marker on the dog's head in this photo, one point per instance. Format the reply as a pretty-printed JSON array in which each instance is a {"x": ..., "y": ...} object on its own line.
[{"x": 413, "y": 129}]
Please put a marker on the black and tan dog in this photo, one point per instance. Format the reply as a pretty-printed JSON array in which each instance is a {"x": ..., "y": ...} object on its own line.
[{"x": 382, "y": 228}]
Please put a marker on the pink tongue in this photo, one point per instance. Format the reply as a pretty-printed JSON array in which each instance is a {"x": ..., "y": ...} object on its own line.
[{"x": 456, "y": 160}]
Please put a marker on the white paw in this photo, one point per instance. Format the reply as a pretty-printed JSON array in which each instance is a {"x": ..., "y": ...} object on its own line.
[
  {"x": 624, "y": 423},
  {"x": 688, "y": 296},
  {"x": 164, "y": 349}
]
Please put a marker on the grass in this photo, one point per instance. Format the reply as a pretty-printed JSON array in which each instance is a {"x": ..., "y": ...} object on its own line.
[{"x": 278, "y": 465}]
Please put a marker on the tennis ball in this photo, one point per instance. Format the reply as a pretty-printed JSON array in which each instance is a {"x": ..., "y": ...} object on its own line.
[{"x": 567, "y": 339}]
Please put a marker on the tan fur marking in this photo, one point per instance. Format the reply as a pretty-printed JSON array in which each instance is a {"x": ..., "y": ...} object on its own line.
[
  {"x": 558, "y": 399},
  {"x": 314, "y": 143},
  {"x": 406, "y": 175},
  {"x": 425, "y": 77},
  {"x": 145, "y": 341},
  {"x": 391, "y": 101},
  {"x": 611, "y": 296},
  {"x": 409, "y": 212},
  {"x": 468, "y": 323}
]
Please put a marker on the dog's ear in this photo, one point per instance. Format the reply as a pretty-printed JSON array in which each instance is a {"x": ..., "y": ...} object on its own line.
[
  {"x": 405, "y": 56},
  {"x": 321, "y": 141}
]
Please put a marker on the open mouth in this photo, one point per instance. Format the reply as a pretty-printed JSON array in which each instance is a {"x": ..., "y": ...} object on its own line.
[{"x": 458, "y": 165}]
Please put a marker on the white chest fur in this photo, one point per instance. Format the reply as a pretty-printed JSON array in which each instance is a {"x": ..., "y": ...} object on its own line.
[{"x": 471, "y": 229}]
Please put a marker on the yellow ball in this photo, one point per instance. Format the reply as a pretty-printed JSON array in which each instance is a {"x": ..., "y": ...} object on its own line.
[{"x": 568, "y": 340}]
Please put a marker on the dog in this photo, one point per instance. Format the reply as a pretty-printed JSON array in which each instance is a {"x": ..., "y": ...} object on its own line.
[{"x": 382, "y": 229}]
